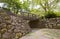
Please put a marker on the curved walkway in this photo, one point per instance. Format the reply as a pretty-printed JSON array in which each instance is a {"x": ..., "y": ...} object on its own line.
[{"x": 43, "y": 34}]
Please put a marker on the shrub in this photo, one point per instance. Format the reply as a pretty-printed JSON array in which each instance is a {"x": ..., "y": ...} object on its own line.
[{"x": 50, "y": 15}]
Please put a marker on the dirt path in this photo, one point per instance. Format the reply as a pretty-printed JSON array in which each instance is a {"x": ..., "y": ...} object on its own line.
[{"x": 43, "y": 34}]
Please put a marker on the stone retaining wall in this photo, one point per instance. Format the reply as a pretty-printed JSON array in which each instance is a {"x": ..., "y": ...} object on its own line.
[
  {"x": 12, "y": 27},
  {"x": 46, "y": 23},
  {"x": 52, "y": 23}
]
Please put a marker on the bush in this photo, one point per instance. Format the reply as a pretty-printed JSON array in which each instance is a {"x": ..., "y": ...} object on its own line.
[{"x": 50, "y": 15}]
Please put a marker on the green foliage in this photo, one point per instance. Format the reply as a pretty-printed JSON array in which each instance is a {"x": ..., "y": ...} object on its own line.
[
  {"x": 13, "y": 5},
  {"x": 44, "y": 6},
  {"x": 58, "y": 14},
  {"x": 25, "y": 5},
  {"x": 47, "y": 4},
  {"x": 50, "y": 15},
  {"x": 16, "y": 5}
]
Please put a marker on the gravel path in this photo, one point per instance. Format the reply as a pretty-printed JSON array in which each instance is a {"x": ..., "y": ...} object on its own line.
[{"x": 43, "y": 34}]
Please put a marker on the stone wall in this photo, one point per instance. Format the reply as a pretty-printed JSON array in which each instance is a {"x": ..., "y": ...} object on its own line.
[
  {"x": 52, "y": 23},
  {"x": 12, "y": 27},
  {"x": 46, "y": 23}
]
